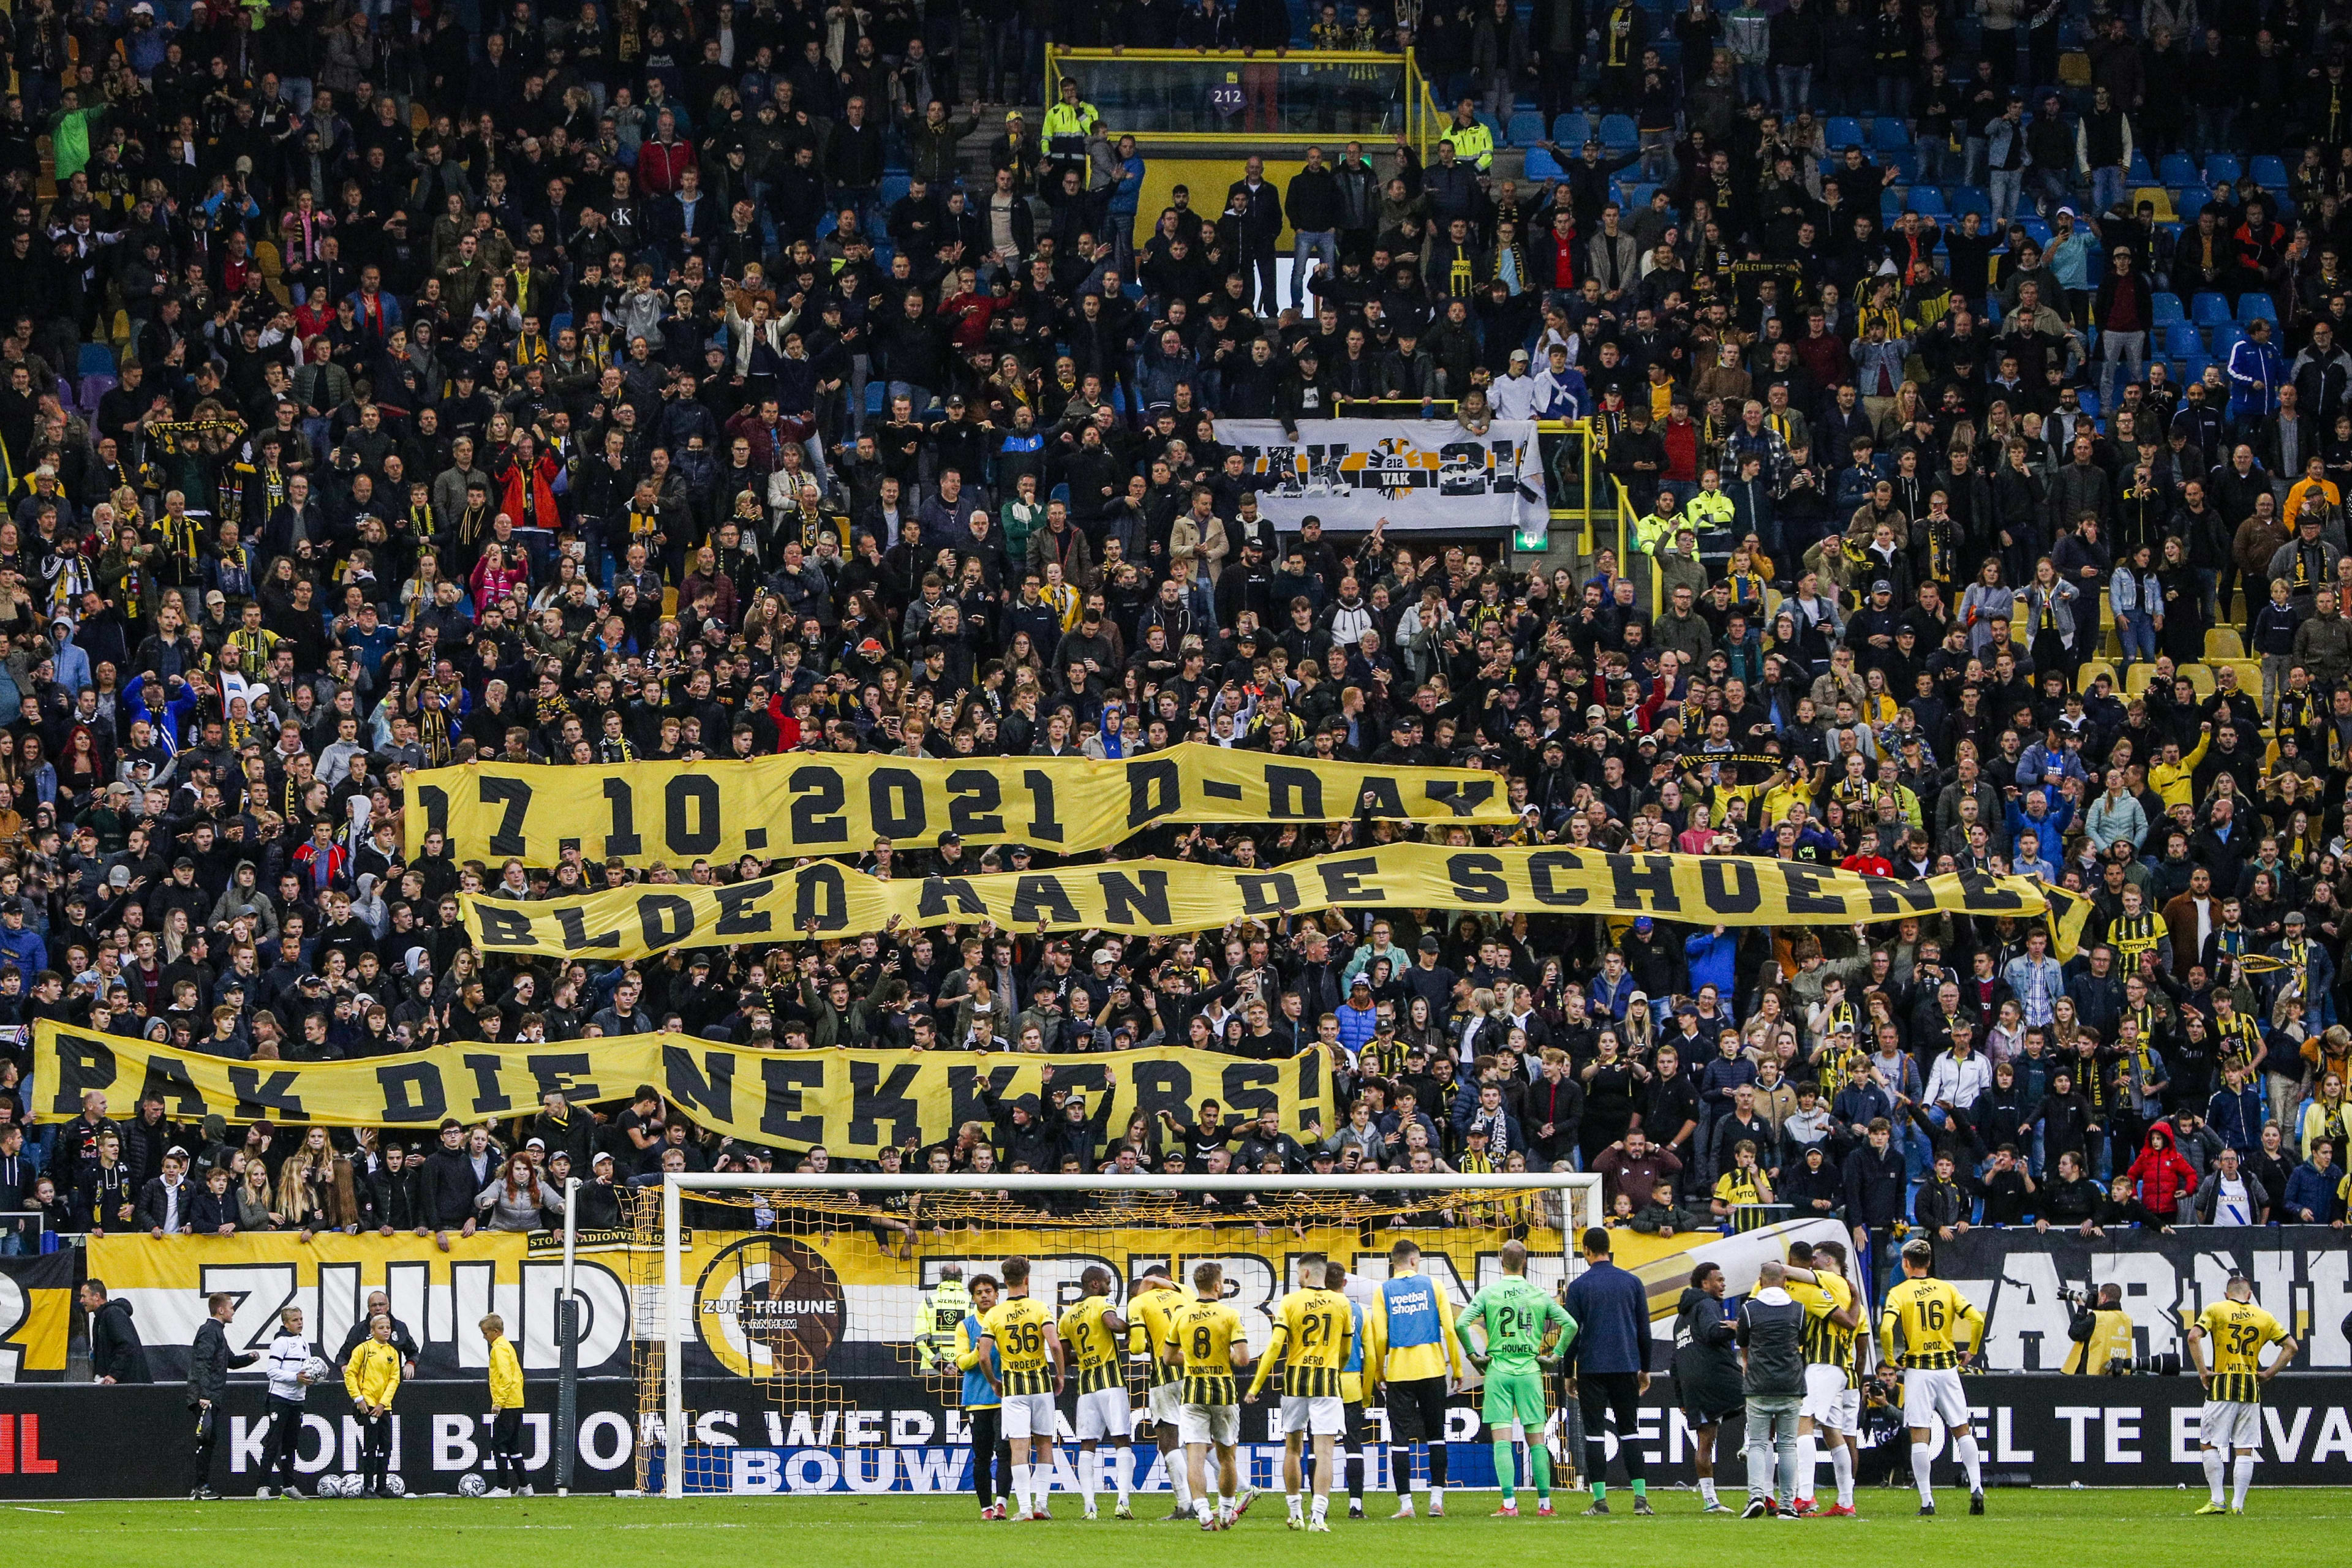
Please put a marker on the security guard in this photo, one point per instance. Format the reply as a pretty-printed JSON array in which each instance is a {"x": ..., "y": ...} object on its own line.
[
  {"x": 1473, "y": 143},
  {"x": 2102, "y": 1332},
  {"x": 1710, "y": 508},
  {"x": 938, "y": 1318},
  {"x": 1069, "y": 124}
]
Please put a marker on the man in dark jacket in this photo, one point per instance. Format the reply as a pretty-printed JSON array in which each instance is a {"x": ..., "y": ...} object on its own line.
[
  {"x": 1259, "y": 221},
  {"x": 210, "y": 1362},
  {"x": 116, "y": 1356},
  {"x": 561, "y": 1130},
  {"x": 402, "y": 1340},
  {"x": 1874, "y": 1183},
  {"x": 1706, "y": 1373},
  {"x": 1772, "y": 1353},
  {"x": 449, "y": 1185}
]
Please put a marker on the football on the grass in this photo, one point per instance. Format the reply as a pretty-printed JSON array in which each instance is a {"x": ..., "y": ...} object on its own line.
[
  {"x": 394, "y": 1487},
  {"x": 472, "y": 1485}
]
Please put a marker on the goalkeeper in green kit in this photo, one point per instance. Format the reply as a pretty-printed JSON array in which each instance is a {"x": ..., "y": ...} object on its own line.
[{"x": 1523, "y": 1327}]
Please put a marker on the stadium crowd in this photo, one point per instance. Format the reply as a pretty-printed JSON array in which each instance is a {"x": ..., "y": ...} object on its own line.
[{"x": 388, "y": 389}]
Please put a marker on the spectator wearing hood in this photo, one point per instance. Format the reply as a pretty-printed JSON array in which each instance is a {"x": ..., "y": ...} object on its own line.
[
  {"x": 2161, "y": 1179},
  {"x": 116, "y": 1355}
]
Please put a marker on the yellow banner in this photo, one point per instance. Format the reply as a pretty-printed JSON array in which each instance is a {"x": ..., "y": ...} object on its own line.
[
  {"x": 853, "y": 1102},
  {"x": 820, "y": 802},
  {"x": 1160, "y": 896}
]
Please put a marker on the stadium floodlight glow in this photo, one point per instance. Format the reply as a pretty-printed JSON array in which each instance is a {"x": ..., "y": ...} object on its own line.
[{"x": 1576, "y": 1193}]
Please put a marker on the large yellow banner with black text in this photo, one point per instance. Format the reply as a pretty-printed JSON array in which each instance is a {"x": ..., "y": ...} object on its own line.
[
  {"x": 854, "y": 1103},
  {"x": 820, "y": 802},
  {"x": 829, "y": 898}
]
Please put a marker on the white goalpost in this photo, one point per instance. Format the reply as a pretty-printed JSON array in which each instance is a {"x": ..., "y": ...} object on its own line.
[{"x": 1549, "y": 1210}]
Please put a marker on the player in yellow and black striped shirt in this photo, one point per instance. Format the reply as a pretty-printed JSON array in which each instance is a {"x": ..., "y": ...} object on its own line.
[
  {"x": 1925, "y": 1330},
  {"x": 1832, "y": 1407},
  {"x": 1312, "y": 1332},
  {"x": 2226, "y": 1344},
  {"x": 1094, "y": 1330},
  {"x": 1030, "y": 1356},
  {"x": 1151, "y": 1309},
  {"x": 1205, "y": 1339}
]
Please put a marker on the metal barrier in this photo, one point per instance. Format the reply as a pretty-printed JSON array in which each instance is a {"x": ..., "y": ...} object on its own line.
[{"x": 1282, "y": 100}]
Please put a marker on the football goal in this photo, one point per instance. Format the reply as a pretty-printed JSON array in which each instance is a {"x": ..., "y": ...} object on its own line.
[{"x": 801, "y": 1333}]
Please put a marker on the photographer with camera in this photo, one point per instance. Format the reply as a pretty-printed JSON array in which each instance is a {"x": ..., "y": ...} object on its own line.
[{"x": 2102, "y": 1332}]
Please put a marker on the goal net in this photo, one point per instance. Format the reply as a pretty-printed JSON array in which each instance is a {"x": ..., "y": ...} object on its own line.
[{"x": 800, "y": 1333}]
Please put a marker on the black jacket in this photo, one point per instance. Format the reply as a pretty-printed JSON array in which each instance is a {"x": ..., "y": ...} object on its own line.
[
  {"x": 396, "y": 1198},
  {"x": 402, "y": 1341},
  {"x": 448, "y": 1189},
  {"x": 114, "y": 1348},
  {"x": 1706, "y": 1356},
  {"x": 1874, "y": 1183},
  {"x": 211, "y": 1360}
]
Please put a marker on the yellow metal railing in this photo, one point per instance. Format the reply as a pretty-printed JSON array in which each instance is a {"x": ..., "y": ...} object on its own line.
[{"x": 1251, "y": 75}]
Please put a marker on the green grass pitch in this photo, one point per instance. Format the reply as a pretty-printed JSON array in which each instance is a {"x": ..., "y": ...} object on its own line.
[{"x": 2126, "y": 1529}]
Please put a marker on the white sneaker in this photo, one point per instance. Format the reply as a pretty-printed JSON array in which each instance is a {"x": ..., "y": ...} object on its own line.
[
  {"x": 1404, "y": 1510},
  {"x": 1091, "y": 1513},
  {"x": 1437, "y": 1508},
  {"x": 1318, "y": 1527},
  {"x": 525, "y": 1490},
  {"x": 498, "y": 1491}
]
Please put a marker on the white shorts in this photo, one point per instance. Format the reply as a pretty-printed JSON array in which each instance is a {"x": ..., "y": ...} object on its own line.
[
  {"x": 1934, "y": 1399},
  {"x": 1316, "y": 1415},
  {"x": 1830, "y": 1404},
  {"x": 1105, "y": 1413},
  {"x": 1165, "y": 1403},
  {"x": 1029, "y": 1416},
  {"x": 2225, "y": 1423},
  {"x": 1220, "y": 1424}
]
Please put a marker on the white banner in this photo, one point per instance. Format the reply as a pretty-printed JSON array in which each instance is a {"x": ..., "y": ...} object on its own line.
[{"x": 1420, "y": 475}]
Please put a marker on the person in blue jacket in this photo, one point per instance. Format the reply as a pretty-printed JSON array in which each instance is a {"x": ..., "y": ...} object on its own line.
[
  {"x": 2257, "y": 371},
  {"x": 1711, "y": 954},
  {"x": 991, "y": 1453}
]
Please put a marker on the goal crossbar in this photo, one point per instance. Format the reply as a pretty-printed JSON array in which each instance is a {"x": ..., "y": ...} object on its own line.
[{"x": 1581, "y": 1189}]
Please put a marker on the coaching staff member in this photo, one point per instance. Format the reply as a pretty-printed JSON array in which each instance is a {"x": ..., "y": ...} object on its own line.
[
  {"x": 1609, "y": 1365},
  {"x": 209, "y": 1364}
]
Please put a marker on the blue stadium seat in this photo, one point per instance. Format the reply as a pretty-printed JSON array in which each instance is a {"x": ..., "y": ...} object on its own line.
[
  {"x": 874, "y": 390},
  {"x": 1889, "y": 135},
  {"x": 1927, "y": 201},
  {"x": 1060, "y": 493},
  {"x": 1844, "y": 132},
  {"x": 1636, "y": 195},
  {"x": 2178, "y": 169},
  {"x": 2037, "y": 229},
  {"x": 557, "y": 322},
  {"x": 2140, "y": 173},
  {"x": 2182, "y": 339},
  {"x": 2167, "y": 309},
  {"x": 1526, "y": 129},
  {"x": 2221, "y": 167},
  {"x": 2256, "y": 308},
  {"x": 2193, "y": 368},
  {"x": 2225, "y": 338},
  {"x": 2209, "y": 310},
  {"x": 2268, "y": 172},
  {"x": 892, "y": 188},
  {"x": 96, "y": 359},
  {"x": 1542, "y": 165},
  {"x": 1619, "y": 133},
  {"x": 1969, "y": 199},
  {"x": 1569, "y": 130},
  {"x": 2088, "y": 401}
]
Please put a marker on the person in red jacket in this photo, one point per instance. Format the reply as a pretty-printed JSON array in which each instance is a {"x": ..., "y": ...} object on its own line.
[{"x": 2164, "y": 1181}]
